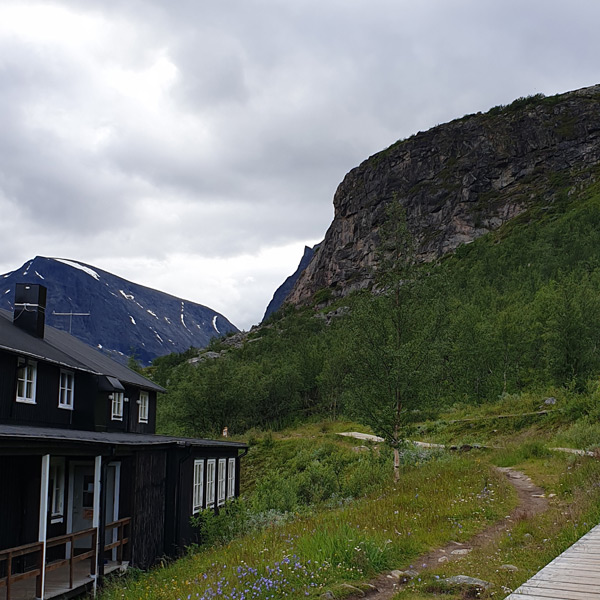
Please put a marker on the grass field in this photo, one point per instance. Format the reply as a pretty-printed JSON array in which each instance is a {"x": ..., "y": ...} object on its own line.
[{"x": 325, "y": 540}]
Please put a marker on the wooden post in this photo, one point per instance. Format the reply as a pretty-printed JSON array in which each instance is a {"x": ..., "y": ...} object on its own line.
[
  {"x": 9, "y": 575},
  {"x": 43, "y": 524},
  {"x": 94, "y": 544},
  {"x": 71, "y": 563},
  {"x": 121, "y": 535}
]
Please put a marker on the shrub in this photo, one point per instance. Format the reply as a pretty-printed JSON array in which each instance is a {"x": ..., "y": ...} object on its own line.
[
  {"x": 275, "y": 491},
  {"x": 316, "y": 483},
  {"x": 214, "y": 527},
  {"x": 509, "y": 457},
  {"x": 370, "y": 471}
]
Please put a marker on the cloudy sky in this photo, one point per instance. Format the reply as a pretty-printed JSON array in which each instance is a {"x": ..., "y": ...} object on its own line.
[{"x": 195, "y": 146}]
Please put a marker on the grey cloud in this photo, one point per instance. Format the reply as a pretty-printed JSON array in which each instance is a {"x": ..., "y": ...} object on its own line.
[{"x": 272, "y": 103}]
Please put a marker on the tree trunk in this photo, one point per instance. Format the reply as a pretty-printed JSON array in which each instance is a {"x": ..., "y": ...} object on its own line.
[{"x": 397, "y": 440}]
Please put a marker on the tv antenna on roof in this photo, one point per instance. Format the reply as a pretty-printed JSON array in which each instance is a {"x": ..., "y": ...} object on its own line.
[{"x": 70, "y": 315}]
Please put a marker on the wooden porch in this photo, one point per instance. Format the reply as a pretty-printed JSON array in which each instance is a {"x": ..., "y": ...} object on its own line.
[{"x": 22, "y": 566}]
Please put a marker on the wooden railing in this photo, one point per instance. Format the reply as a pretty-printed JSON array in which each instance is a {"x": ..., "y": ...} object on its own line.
[
  {"x": 7, "y": 556},
  {"x": 68, "y": 540},
  {"x": 73, "y": 558},
  {"x": 121, "y": 540}
]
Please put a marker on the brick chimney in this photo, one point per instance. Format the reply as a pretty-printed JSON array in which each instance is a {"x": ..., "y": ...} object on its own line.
[{"x": 30, "y": 308}]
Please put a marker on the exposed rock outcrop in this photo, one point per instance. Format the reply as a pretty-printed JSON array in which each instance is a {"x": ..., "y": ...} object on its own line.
[
  {"x": 284, "y": 289},
  {"x": 457, "y": 182}
]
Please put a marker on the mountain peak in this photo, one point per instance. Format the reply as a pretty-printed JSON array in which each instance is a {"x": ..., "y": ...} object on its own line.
[{"x": 118, "y": 316}]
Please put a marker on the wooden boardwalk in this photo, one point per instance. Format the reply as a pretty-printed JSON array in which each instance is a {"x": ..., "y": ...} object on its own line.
[{"x": 574, "y": 575}]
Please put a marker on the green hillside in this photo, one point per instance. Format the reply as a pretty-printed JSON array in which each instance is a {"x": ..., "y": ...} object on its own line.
[{"x": 517, "y": 311}]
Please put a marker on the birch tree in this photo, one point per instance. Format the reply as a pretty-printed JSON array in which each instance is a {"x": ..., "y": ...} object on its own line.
[{"x": 394, "y": 339}]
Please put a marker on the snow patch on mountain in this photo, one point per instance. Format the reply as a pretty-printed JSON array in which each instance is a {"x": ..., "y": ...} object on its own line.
[
  {"x": 182, "y": 319},
  {"x": 26, "y": 271},
  {"x": 112, "y": 305},
  {"x": 76, "y": 265}
]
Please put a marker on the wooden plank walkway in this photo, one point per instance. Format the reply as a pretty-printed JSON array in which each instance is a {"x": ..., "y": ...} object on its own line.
[{"x": 574, "y": 575}]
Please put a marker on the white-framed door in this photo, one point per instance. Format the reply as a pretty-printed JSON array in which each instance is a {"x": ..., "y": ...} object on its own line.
[
  {"x": 113, "y": 485},
  {"x": 80, "y": 515},
  {"x": 81, "y": 500}
]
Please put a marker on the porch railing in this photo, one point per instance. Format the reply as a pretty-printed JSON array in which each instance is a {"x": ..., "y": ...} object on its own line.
[
  {"x": 120, "y": 526},
  {"x": 35, "y": 550},
  {"x": 73, "y": 559},
  {"x": 7, "y": 556}
]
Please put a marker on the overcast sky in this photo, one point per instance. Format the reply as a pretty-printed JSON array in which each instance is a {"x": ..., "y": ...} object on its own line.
[{"x": 195, "y": 146}]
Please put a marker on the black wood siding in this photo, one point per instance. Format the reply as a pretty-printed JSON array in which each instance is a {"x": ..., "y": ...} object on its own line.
[
  {"x": 46, "y": 412},
  {"x": 134, "y": 412},
  {"x": 20, "y": 478},
  {"x": 148, "y": 508},
  {"x": 183, "y": 534},
  {"x": 91, "y": 407}
]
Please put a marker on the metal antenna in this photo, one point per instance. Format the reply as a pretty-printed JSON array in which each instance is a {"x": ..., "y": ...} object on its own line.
[{"x": 71, "y": 315}]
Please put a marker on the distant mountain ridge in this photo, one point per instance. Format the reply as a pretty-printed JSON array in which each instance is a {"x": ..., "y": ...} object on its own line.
[
  {"x": 286, "y": 287},
  {"x": 113, "y": 314}
]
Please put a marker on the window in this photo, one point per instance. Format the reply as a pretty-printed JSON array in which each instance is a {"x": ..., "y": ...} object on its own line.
[
  {"x": 143, "y": 407},
  {"x": 65, "y": 394},
  {"x": 221, "y": 481},
  {"x": 231, "y": 478},
  {"x": 26, "y": 380},
  {"x": 198, "y": 485},
  {"x": 117, "y": 406},
  {"x": 56, "y": 489},
  {"x": 210, "y": 482}
]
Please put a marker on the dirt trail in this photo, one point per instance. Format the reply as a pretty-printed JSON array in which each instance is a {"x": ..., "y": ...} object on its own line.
[{"x": 531, "y": 502}]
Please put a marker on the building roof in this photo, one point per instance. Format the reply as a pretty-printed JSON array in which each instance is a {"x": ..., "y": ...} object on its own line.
[
  {"x": 23, "y": 433},
  {"x": 63, "y": 349}
]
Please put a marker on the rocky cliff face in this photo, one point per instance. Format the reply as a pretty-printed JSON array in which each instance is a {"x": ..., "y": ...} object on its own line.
[{"x": 457, "y": 182}]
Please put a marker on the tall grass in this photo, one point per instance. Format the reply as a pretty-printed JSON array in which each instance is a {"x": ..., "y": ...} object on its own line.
[
  {"x": 447, "y": 499},
  {"x": 532, "y": 542}
]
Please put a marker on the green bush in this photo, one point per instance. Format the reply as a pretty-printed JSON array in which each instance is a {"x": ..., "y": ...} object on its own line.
[
  {"x": 229, "y": 521},
  {"x": 370, "y": 471},
  {"x": 509, "y": 457},
  {"x": 316, "y": 483},
  {"x": 275, "y": 491},
  {"x": 583, "y": 435}
]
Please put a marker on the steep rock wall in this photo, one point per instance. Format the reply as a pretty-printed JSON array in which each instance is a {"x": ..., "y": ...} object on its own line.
[{"x": 457, "y": 182}]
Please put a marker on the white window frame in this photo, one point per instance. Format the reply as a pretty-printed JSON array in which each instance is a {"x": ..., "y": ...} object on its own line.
[
  {"x": 221, "y": 481},
  {"x": 231, "y": 478},
  {"x": 66, "y": 389},
  {"x": 26, "y": 381},
  {"x": 57, "y": 497},
  {"x": 211, "y": 468},
  {"x": 198, "y": 489},
  {"x": 116, "y": 407},
  {"x": 143, "y": 404}
]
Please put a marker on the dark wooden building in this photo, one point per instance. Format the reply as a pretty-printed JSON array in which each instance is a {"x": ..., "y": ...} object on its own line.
[{"x": 86, "y": 486}]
